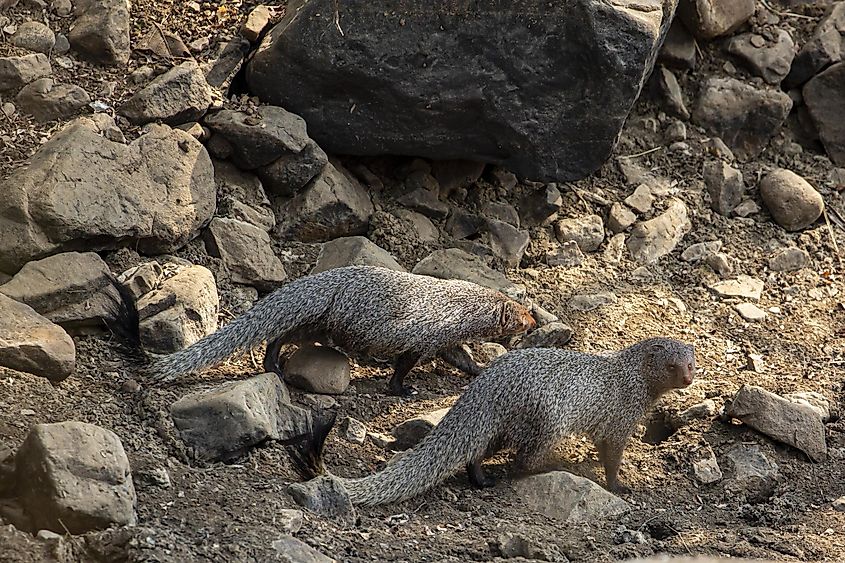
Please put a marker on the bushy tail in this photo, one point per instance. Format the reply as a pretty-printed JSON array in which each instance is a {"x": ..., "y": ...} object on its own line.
[
  {"x": 281, "y": 314},
  {"x": 306, "y": 452},
  {"x": 461, "y": 437}
]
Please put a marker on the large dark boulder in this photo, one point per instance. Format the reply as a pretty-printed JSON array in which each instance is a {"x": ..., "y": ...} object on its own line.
[{"x": 542, "y": 88}]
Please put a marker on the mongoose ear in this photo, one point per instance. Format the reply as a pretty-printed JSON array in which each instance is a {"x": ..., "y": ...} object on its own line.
[{"x": 657, "y": 346}]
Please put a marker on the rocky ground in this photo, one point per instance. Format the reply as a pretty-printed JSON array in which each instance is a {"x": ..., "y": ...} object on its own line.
[{"x": 682, "y": 232}]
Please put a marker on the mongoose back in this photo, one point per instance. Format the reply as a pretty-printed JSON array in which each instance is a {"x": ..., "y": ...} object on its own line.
[
  {"x": 528, "y": 399},
  {"x": 365, "y": 310}
]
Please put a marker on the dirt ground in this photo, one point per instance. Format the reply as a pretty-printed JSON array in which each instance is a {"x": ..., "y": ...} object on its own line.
[{"x": 228, "y": 512}]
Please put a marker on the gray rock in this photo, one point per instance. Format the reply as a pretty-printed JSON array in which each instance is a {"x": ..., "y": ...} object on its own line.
[
  {"x": 794, "y": 424},
  {"x": 290, "y": 173},
  {"x": 260, "y": 138},
  {"x": 353, "y": 430},
  {"x": 725, "y": 186},
  {"x": 327, "y": 497},
  {"x": 523, "y": 122},
  {"x": 750, "y": 312},
  {"x": 74, "y": 290},
  {"x": 17, "y": 72},
  {"x": 34, "y": 36},
  {"x": 318, "y": 369},
  {"x": 454, "y": 174},
  {"x": 75, "y": 489},
  {"x": 116, "y": 200},
  {"x": 501, "y": 211},
  {"x": 721, "y": 263},
  {"x": 744, "y": 117},
  {"x": 586, "y": 231},
  {"x": 550, "y": 335},
  {"x": 421, "y": 226},
  {"x": 453, "y": 263},
  {"x": 246, "y": 252},
  {"x": 792, "y": 201},
  {"x": 839, "y": 504},
  {"x": 426, "y": 202},
  {"x": 221, "y": 69},
  {"x": 789, "y": 259},
  {"x": 706, "y": 469},
  {"x": 409, "y": 433},
  {"x": 503, "y": 178},
  {"x": 824, "y": 48},
  {"x": 31, "y": 343},
  {"x": 255, "y": 22},
  {"x": 62, "y": 8},
  {"x": 746, "y": 208},
  {"x": 180, "y": 312},
  {"x": 141, "y": 279},
  {"x": 100, "y": 32},
  {"x": 678, "y": 50},
  {"x": 511, "y": 546},
  {"x": 751, "y": 471},
  {"x": 241, "y": 196},
  {"x": 675, "y": 131},
  {"x": 614, "y": 249},
  {"x": 701, "y": 250},
  {"x": 569, "y": 498},
  {"x": 419, "y": 177},
  {"x": 333, "y": 205},
  {"x": 461, "y": 224},
  {"x": 539, "y": 206},
  {"x": 163, "y": 44},
  {"x": 620, "y": 218},
  {"x": 706, "y": 409},
  {"x": 669, "y": 92},
  {"x": 489, "y": 351},
  {"x": 816, "y": 401},
  {"x": 743, "y": 286},
  {"x": 151, "y": 477},
  {"x": 181, "y": 94},
  {"x": 711, "y": 18},
  {"x": 508, "y": 243},
  {"x": 641, "y": 200},
  {"x": 354, "y": 251},
  {"x": 289, "y": 520},
  {"x": 771, "y": 60},
  {"x": 291, "y": 550},
  {"x": 224, "y": 422},
  {"x": 45, "y": 100},
  {"x": 588, "y": 302},
  {"x": 824, "y": 96},
  {"x": 568, "y": 255},
  {"x": 655, "y": 238}
]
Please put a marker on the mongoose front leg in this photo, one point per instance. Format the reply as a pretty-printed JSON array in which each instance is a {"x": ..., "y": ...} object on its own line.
[
  {"x": 271, "y": 357},
  {"x": 610, "y": 454},
  {"x": 459, "y": 358},
  {"x": 404, "y": 363},
  {"x": 477, "y": 477}
]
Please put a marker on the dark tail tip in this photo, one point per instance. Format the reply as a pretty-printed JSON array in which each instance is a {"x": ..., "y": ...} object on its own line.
[
  {"x": 125, "y": 322},
  {"x": 306, "y": 451}
]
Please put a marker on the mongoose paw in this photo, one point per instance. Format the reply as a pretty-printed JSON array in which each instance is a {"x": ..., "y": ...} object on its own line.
[
  {"x": 403, "y": 391},
  {"x": 484, "y": 483},
  {"x": 620, "y": 489}
]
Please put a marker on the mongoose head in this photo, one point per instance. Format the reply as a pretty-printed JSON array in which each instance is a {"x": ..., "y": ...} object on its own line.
[
  {"x": 515, "y": 318},
  {"x": 669, "y": 364}
]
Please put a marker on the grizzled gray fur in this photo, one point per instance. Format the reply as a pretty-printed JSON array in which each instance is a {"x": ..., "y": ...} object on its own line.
[
  {"x": 529, "y": 400},
  {"x": 366, "y": 310}
]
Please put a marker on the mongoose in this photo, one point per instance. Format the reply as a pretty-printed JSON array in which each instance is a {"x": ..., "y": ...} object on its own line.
[
  {"x": 366, "y": 310},
  {"x": 527, "y": 399}
]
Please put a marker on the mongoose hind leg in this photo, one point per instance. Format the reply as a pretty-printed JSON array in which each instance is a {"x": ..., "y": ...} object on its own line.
[
  {"x": 271, "y": 357},
  {"x": 610, "y": 454},
  {"x": 458, "y": 357},
  {"x": 404, "y": 364},
  {"x": 477, "y": 477}
]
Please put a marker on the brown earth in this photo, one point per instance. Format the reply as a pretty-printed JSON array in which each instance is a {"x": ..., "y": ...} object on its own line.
[{"x": 228, "y": 512}]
